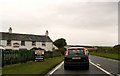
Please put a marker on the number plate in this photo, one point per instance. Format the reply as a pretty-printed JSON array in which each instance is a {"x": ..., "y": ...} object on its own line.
[{"x": 76, "y": 58}]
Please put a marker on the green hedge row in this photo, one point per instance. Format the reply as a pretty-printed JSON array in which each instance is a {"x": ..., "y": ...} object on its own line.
[
  {"x": 22, "y": 56},
  {"x": 50, "y": 54},
  {"x": 16, "y": 56}
]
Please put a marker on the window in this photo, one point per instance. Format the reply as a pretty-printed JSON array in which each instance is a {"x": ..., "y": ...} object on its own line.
[
  {"x": 8, "y": 42},
  {"x": 43, "y": 44},
  {"x": 22, "y": 43},
  {"x": 76, "y": 52},
  {"x": 16, "y": 44},
  {"x": 33, "y": 43}
]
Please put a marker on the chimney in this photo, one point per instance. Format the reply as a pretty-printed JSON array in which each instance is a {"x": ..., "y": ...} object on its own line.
[
  {"x": 46, "y": 33},
  {"x": 10, "y": 30}
]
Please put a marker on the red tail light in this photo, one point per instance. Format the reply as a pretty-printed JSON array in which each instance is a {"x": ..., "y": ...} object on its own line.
[
  {"x": 87, "y": 60},
  {"x": 85, "y": 51},
  {"x": 66, "y": 54}
]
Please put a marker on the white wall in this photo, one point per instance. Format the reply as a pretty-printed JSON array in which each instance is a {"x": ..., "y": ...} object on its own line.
[
  {"x": 3, "y": 42},
  {"x": 48, "y": 46},
  {"x": 28, "y": 45},
  {"x": 38, "y": 44}
]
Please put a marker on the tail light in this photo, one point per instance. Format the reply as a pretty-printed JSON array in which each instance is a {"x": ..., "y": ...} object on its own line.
[
  {"x": 87, "y": 60},
  {"x": 66, "y": 54},
  {"x": 85, "y": 52}
]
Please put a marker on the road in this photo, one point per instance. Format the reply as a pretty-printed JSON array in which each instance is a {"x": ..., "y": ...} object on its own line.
[{"x": 98, "y": 66}]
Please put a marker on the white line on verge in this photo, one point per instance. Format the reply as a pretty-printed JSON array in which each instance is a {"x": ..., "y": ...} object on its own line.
[
  {"x": 101, "y": 68},
  {"x": 58, "y": 66},
  {"x": 98, "y": 65}
]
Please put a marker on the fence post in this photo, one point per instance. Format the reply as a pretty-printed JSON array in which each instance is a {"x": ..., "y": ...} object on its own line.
[{"x": 2, "y": 53}]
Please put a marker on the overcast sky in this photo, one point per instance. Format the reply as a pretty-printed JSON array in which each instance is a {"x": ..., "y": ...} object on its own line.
[{"x": 83, "y": 22}]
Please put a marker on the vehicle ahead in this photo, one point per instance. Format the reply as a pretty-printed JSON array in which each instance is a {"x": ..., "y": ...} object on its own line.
[{"x": 76, "y": 57}]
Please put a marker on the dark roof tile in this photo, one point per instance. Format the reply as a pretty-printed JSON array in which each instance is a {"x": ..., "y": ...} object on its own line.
[{"x": 24, "y": 37}]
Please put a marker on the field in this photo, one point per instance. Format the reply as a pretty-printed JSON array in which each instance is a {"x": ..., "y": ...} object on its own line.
[{"x": 107, "y": 55}]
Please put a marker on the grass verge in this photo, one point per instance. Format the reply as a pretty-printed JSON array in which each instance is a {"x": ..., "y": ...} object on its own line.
[
  {"x": 31, "y": 67},
  {"x": 106, "y": 55}
]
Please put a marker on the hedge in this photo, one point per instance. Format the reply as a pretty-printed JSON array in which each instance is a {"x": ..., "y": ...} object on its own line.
[{"x": 22, "y": 56}]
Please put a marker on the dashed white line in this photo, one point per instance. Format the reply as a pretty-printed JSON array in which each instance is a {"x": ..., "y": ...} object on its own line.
[
  {"x": 51, "y": 72},
  {"x": 101, "y": 69},
  {"x": 98, "y": 64}
]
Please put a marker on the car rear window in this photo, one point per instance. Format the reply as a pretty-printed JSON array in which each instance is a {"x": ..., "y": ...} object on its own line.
[{"x": 76, "y": 52}]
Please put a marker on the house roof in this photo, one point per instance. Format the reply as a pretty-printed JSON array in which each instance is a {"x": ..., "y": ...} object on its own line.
[{"x": 24, "y": 37}]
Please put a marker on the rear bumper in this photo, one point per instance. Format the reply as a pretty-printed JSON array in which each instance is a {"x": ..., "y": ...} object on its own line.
[{"x": 76, "y": 64}]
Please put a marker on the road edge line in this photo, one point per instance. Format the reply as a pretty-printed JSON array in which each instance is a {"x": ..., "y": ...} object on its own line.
[
  {"x": 100, "y": 68},
  {"x": 58, "y": 66}
]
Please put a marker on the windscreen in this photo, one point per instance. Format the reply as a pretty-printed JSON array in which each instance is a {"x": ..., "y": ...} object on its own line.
[{"x": 76, "y": 52}]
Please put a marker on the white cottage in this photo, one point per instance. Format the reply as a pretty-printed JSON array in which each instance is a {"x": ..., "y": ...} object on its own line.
[{"x": 18, "y": 41}]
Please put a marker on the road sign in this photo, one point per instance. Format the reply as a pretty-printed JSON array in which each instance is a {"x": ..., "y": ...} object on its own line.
[{"x": 39, "y": 55}]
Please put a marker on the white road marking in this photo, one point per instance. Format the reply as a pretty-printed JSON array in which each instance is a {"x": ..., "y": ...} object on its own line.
[
  {"x": 98, "y": 64},
  {"x": 57, "y": 67},
  {"x": 101, "y": 69}
]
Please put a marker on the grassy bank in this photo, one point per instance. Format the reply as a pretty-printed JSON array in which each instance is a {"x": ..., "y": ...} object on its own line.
[
  {"x": 33, "y": 67},
  {"x": 106, "y": 55}
]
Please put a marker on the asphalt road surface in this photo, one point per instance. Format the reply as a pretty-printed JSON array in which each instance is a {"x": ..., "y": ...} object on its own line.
[{"x": 98, "y": 66}]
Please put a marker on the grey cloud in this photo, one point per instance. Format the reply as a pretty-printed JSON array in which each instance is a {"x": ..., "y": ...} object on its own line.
[
  {"x": 78, "y": 22},
  {"x": 95, "y": 14}
]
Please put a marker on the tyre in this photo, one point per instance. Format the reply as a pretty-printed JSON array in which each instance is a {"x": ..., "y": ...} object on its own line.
[
  {"x": 65, "y": 68},
  {"x": 87, "y": 67}
]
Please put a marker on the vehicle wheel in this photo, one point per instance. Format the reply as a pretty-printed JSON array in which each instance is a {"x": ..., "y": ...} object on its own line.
[
  {"x": 87, "y": 67},
  {"x": 65, "y": 68}
]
